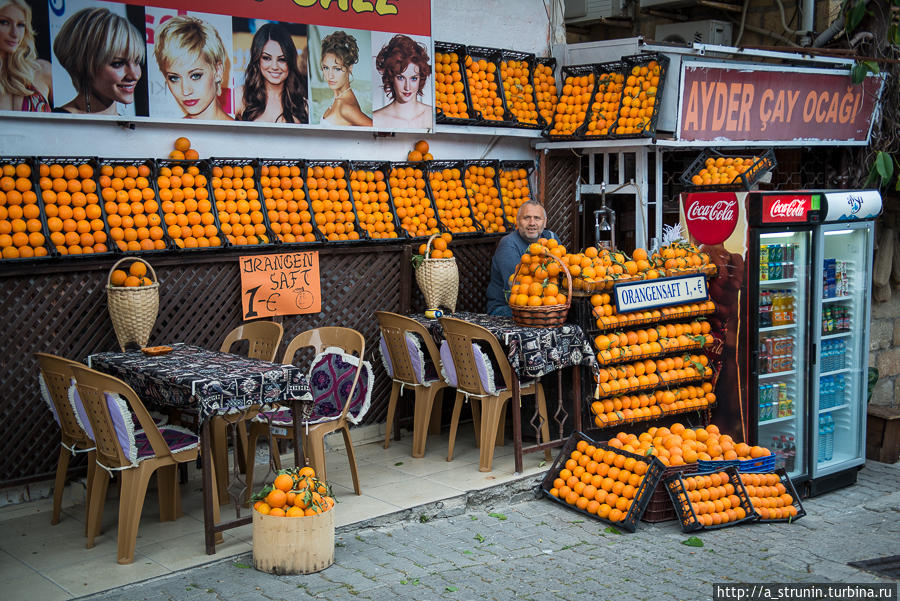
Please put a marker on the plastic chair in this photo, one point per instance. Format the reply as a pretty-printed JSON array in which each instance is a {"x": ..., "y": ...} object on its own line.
[
  {"x": 396, "y": 330},
  {"x": 58, "y": 377},
  {"x": 350, "y": 342},
  {"x": 460, "y": 336},
  {"x": 135, "y": 455}
]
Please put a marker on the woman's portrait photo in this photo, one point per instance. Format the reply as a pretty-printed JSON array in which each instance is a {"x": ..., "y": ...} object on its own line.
[
  {"x": 102, "y": 51},
  {"x": 25, "y": 79},
  {"x": 341, "y": 83},
  {"x": 404, "y": 96},
  {"x": 193, "y": 64},
  {"x": 267, "y": 57}
]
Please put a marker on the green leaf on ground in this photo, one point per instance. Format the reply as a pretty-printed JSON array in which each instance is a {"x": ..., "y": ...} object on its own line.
[
  {"x": 467, "y": 552},
  {"x": 577, "y": 522},
  {"x": 399, "y": 463},
  {"x": 451, "y": 589},
  {"x": 612, "y": 530},
  {"x": 692, "y": 542},
  {"x": 479, "y": 538},
  {"x": 499, "y": 516},
  {"x": 243, "y": 566},
  {"x": 423, "y": 518}
]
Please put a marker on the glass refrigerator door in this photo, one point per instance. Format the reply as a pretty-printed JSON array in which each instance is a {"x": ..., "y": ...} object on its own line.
[
  {"x": 781, "y": 380},
  {"x": 841, "y": 324}
]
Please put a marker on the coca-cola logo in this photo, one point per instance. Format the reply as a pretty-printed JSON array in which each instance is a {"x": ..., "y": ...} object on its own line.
[
  {"x": 710, "y": 216},
  {"x": 785, "y": 208}
]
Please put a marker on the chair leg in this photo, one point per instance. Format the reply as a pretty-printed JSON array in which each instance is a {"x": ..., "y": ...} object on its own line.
[
  {"x": 392, "y": 408},
  {"x": 491, "y": 409},
  {"x": 437, "y": 400},
  {"x": 131, "y": 504},
  {"x": 475, "y": 404},
  {"x": 274, "y": 451},
  {"x": 91, "y": 474},
  {"x": 95, "y": 511},
  {"x": 219, "y": 444},
  {"x": 545, "y": 421},
  {"x": 169, "y": 494},
  {"x": 351, "y": 455},
  {"x": 62, "y": 466},
  {"x": 421, "y": 418},
  {"x": 454, "y": 424},
  {"x": 240, "y": 450},
  {"x": 501, "y": 427}
]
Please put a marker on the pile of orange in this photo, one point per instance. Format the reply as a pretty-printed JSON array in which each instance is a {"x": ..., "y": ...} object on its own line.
[
  {"x": 74, "y": 215},
  {"x": 21, "y": 230},
  {"x": 294, "y": 493},
  {"x": 329, "y": 198},
  {"x": 647, "y": 374},
  {"x": 132, "y": 210},
  {"x": 414, "y": 209},
  {"x": 607, "y": 99},
  {"x": 662, "y": 338},
  {"x": 680, "y": 258},
  {"x": 134, "y": 277},
  {"x": 286, "y": 204},
  {"x": 646, "y": 405},
  {"x": 514, "y": 190},
  {"x": 536, "y": 281},
  {"x": 187, "y": 209},
  {"x": 451, "y": 200},
  {"x": 725, "y": 170},
  {"x": 572, "y": 107},
  {"x": 448, "y": 86},
  {"x": 638, "y": 99},
  {"x": 608, "y": 319},
  {"x": 545, "y": 91},
  {"x": 485, "y": 197},
  {"x": 518, "y": 91},
  {"x": 237, "y": 201},
  {"x": 439, "y": 247},
  {"x": 483, "y": 89},
  {"x": 713, "y": 499},
  {"x": 594, "y": 269},
  {"x": 601, "y": 482},
  {"x": 679, "y": 445},
  {"x": 769, "y": 497},
  {"x": 419, "y": 152},
  {"x": 372, "y": 203},
  {"x": 182, "y": 150}
]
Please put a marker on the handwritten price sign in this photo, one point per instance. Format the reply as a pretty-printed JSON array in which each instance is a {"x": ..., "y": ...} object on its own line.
[{"x": 285, "y": 284}]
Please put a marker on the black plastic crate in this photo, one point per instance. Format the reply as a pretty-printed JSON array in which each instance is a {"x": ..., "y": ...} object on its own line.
[
  {"x": 530, "y": 61},
  {"x": 607, "y": 73},
  {"x": 574, "y": 71},
  {"x": 495, "y": 182},
  {"x": 759, "y": 166},
  {"x": 150, "y": 164},
  {"x": 93, "y": 164},
  {"x": 511, "y": 205},
  {"x": 641, "y": 60},
  {"x": 314, "y": 199},
  {"x": 282, "y": 213},
  {"x": 641, "y": 497},
  {"x": 34, "y": 187},
  {"x": 491, "y": 56},
  {"x": 421, "y": 166},
  {"x": 789, "y": 488},
  {"x": 251, "y": 194},
  {"x": 660, "y": 508},
  {"x": 201, "y": 181},
  {"x": 686, "y": 511},
  {"x": 547, "y": 61},
  {"x": 438, "y": 166},
  {"x": 460, "y": 51},
  {"x": 384, "y": 168}
]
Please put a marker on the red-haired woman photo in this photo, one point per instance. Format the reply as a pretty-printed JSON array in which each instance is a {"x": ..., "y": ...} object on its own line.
[{"x": 404, "y": 68}]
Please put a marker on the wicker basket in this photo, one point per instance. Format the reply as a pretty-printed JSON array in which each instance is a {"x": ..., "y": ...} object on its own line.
[
  {"x": 133, "y": 310},
  {"x": 438, "y": 280},
  {"x": 548, "y": 316}
]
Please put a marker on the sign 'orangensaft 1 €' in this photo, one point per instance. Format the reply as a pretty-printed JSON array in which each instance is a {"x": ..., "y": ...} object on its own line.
[{"x": 282, "y": 284}]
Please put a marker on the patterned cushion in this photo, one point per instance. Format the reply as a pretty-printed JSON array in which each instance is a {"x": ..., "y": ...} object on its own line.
[
  {"x": 488, "y": 372},
  {"x": 422, "y": 365},
  {"x": 178, "y": 439},
  {"x": 80, "y": 412},
  {"x": 123, "y": 425},
  {"x": 330, "y": 379}
]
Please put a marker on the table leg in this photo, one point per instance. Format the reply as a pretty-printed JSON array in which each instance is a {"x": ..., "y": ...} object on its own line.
[
  {"x": 576, "y": 400},
  {"x": 516, "y": 400},
  {"x": 209, "y": 525},
  {"x": 299, "y": 457}
]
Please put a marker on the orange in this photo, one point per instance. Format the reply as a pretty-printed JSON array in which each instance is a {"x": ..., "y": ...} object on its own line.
[{"x": 139, "y": 269}]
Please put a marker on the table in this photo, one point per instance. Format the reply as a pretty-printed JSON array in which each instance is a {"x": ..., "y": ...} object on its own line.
[
  {"x": 532, "y": 353},
  {"x": 212, "y": 383}
]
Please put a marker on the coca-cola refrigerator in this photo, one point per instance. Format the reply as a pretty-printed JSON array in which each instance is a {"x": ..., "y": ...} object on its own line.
[{"x": 780, "y": 255}]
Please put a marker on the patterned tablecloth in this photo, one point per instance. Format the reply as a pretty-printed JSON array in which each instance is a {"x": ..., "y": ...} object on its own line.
[
  {"x": 210, "y": 381},
  {"x": 532, "y": 352}
]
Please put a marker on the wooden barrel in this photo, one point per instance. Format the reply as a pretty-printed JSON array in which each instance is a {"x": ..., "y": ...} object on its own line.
[{"x": 300, "y": 545}]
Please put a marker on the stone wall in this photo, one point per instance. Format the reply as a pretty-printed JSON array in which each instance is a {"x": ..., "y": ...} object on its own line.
[{"x": 884, "y": 332}]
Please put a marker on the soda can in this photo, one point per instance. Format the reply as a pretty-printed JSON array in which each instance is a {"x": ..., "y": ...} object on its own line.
[
  {"x": 775, "y": 271},
  {"x": 782, "y": 392},
  {"x": 787, "y": 269},
  {"x": 763, "y": 272},
  {"x": 764, "y": 253},
  {"x": 774, "y": 253},
  {"x": 790, "y": 252}
]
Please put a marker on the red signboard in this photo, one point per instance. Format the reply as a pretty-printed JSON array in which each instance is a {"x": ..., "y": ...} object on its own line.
[
  {"x": 406, "y": 16},
  {"x": 710, "y": 216},
  {"x": 786, "y": 208},
  {"x": 751, "y": 104}
]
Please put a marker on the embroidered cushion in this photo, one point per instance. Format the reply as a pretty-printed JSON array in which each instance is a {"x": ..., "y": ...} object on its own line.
[
  {"x": 330, "y": 380},
  {"x": 123, "y": 424},
  {"x": 45, "y": 394},
  {"x": 178, "y": 439},
  {"x": 488, "y": 373},
  {"x": 81, "y": 415},
  {"x": 422, "y": 365}
]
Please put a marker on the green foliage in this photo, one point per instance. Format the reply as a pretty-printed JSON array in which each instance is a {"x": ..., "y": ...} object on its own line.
[{"x": 692, "y": 542}]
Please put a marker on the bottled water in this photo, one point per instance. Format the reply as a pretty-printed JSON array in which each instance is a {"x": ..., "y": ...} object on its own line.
[
  {"x": 829, "y": 437},
  {"x": 820, "y": 454}
]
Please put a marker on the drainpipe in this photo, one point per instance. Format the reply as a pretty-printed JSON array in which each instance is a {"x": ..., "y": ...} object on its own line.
[{"x": 808, "y": 19}]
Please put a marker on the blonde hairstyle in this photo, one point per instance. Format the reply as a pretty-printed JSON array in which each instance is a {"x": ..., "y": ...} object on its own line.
[
  {"x": 181, "y": 35},
  {"x": 20, "y": 67},
  {"x": 90, "y": 39}
]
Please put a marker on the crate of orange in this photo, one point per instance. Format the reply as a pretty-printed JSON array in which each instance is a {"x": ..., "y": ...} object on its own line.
[
  {"x": 710, "y": 501},
  {"x": 545, "y": 95},
  {"x": 607, "y": 99},
  {"x": 483, "y": 189},
  {"x": 282, "y": 183},
  {"x": 713, "y": 170},
  {"x": 131, "y": 205},
  {"x": 23, "y": 227},
  {"x": 234, "y": 188},
  {"x": 773, "y": 496},
  {"x": 645, "y": 78},
  {"x": 328, "y": 190},
  {"x": 133, "y": 297},
  {"x": 188, "y": 212},
  {"x": 451, "y": 201},
  {"x": 408, "y": 185},
  {"x": 76, "y": 218},
  {"x": 515, "y": 186},
  {"x": 602, "y": 482},
  {"x": 372, "y": 200},
  {"x": 453, "y": 105},
  {"x": 485, "y": 88},
  {"x": 517, "y": 80},
  {"x": 293, "y": 524},
  {"x": 570, "y": 113}
]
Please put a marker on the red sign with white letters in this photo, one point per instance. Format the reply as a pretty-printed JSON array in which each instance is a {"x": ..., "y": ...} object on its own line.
[
  {"x": 786, "y": 208},
  {"x": 710, "y": 216}
]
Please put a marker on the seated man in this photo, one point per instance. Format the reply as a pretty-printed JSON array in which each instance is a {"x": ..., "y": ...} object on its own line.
[{"x": 530, "y": 222}]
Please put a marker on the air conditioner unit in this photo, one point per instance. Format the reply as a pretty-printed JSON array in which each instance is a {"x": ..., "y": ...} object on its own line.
[
  {"x": 701, "y": 32},
  {"x": 584, "y": 11}
]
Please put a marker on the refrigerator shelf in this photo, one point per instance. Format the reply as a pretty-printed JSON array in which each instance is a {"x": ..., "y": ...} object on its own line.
[
  {"x": 835, "y": 408},
  {"x": 787, "y": 326},
  {"x": 776, "y": 420},
  {"x": 777, "y": 282},
  {"x": 835, "y": 299},
  {"x": 837, "y": 371},
  {"x": 777, "y": 374},
  {"x": 833, "y": 336}
]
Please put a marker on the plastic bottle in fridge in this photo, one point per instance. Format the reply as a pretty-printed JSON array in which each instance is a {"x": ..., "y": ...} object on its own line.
[
  {"x": 778, "y": 451},
  {"x": 829, "y": 438},
  {"x": 790, "y": 457},
  {"x": 820, "y": 454}
]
